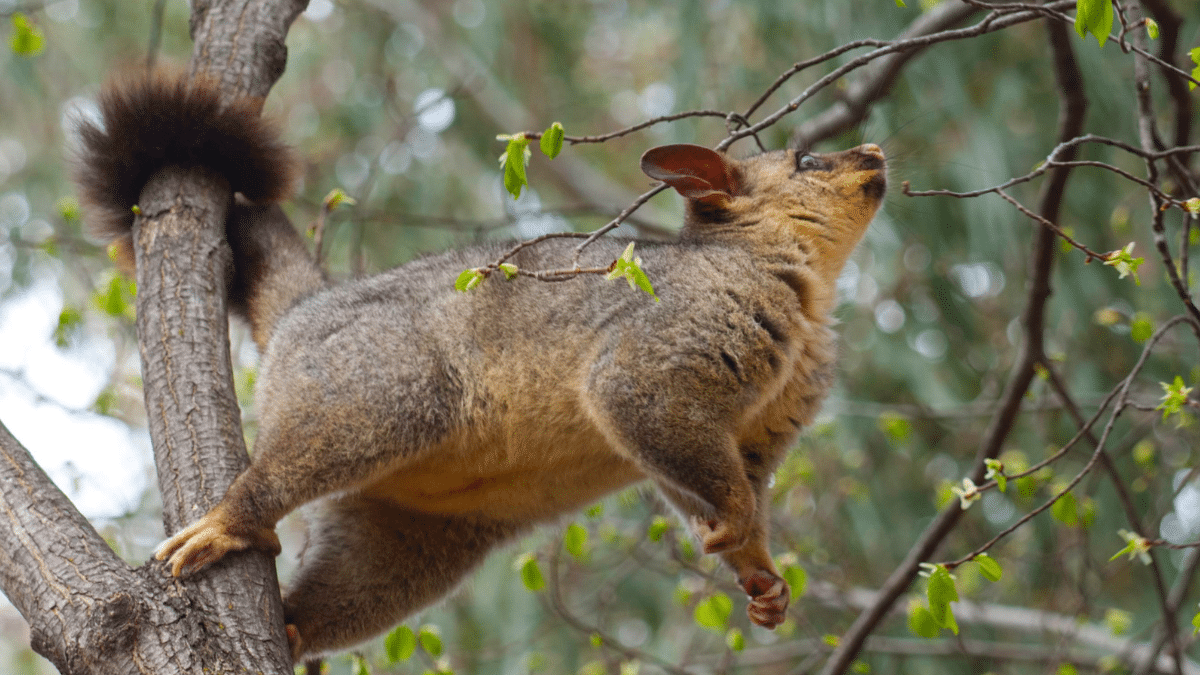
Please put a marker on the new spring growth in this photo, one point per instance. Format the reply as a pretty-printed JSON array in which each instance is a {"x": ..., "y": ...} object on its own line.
[
  {"x": 337, "y": 197},
  {"x": 967, "y": 494},
  {"x": 995, "y": 471},
  {"x": 517, "y": 153},
  {"x": 1125, "y": 263},
  {"x": 1135, "y": 545},
  {"x": 1174, "y": 398},
  {"x": 630, "y": 268}
]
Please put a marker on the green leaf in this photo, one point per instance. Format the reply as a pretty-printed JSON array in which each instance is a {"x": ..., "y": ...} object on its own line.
[
  {"x": 681, "y": 595},
  {"x": 713, "y": 613},
  {"x": 510, "y": 271},
  {"x": 1065, "y": 510},
  {"x": 900, "y": 3},
  {"x": 988, "y": 566},
  {"x": 575, "y": 540},
  {"x": 630, "y": 268},
  {"x": 995, "y": 470},
  {"x": 967, "y": 494},
  {"x": 117, "y": 297},
  {"x": 1196, "y": 623},
  {"x": 735, "y": 640},
  {"x": 1195, "y": 54},
  {"x": 105, "y": 402},
  {"x": 1174, "y": 398},
  {"x": 1086, "y": 510},
  {"x": 1118, "y": 621},
  {"x": 639, "y": 279},
  {"x": 1067, "y": 669},
  {"x": 595, "y": 511},
  {"x": 1124, "y": 262},
  {"x": 596, "y": 640},
  {"x": 338, "y": 197},
  {"x": 830, "y": 639},
  {"x": 1095, "y": 17},
  {"x": 861, "y": 667},
  {"x": 359, "y": 665},
  {"x": 552, "y": 140},
  {"x": 531, "y": 574},
  {"x": 941, "y": 592},
  {"x": 27, "y": 39},
  {"x": 921, "y": 622},
  {"x": 1144, "y": 453},
  {"x": 400, "y": 644},
  {"x": 1136, "y": 546},
  {"x": 431, "y": 640},
  {"x": 897, "y": 427},
  {"x": 68, "y": 209},
  {"x": 1151, "y": 28},
  {"x": 658, "y": 527},
  {"x": 468, "y": 279},
  {"x": 69, "y": 321},
  {"x": 949, "y": 622},
  {"x": 516, "y": 155},
  {"x": 536, "y": 662},
  {"x": 1141, "y": 328},
  {"x": 687, "y": 549},
  {"x": 796, "y": 578}
]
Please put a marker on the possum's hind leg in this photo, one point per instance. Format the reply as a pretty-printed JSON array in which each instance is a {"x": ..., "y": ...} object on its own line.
[
  {"x": 332, "y": 418},
  {"x": 370, "y": 564}
]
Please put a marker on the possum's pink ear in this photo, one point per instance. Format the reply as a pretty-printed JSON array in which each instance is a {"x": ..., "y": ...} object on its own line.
[{"x": 695, "y": 172}]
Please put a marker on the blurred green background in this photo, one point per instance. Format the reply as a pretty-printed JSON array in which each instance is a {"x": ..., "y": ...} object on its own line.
[{"x": 400, "y": 102}]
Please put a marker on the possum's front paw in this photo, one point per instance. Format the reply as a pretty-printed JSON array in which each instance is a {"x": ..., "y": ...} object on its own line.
[
  {"x": 769, "y": 597},
  {"x": 208, "y": 540},
  {"x": 718, "y": 535}
]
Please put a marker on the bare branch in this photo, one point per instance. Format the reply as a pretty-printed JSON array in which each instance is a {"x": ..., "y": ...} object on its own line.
[
  {"x": 992, "y": 22},
  {"x": 877, "y": 79},
  {"x": 51, "y": 557},
  {"x": 601, "y": 138}
]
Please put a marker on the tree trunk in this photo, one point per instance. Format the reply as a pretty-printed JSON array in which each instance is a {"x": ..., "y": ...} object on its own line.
[{"x": 89, "y": 611}]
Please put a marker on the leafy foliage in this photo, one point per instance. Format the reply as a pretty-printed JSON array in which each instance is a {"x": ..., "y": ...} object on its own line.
[
  {"x": 27, "y": 38},
  {"x": 400, "y": 644},
  {"x": 1094, "y": 17},
  {"x": 713, "y": 612},
  {"x": 513, "y": 162}
]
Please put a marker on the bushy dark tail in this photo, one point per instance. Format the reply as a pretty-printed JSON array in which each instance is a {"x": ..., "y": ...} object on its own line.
[{"x": 152, "y": 121}]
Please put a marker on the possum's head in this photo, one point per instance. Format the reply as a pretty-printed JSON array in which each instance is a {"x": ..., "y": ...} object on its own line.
[{"x": 821, "y": 203}]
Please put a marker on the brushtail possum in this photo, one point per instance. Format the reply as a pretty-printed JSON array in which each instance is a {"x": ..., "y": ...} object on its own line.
[{"x": 434, "y": 425}]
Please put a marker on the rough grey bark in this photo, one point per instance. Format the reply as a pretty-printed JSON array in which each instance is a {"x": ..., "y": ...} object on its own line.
[
  {"x": 88, "y": 610},
  {"x": 195, "y": 425},
  {"x": 241, "y": 42}
]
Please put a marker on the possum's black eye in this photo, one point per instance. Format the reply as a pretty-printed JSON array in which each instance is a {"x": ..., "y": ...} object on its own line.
[{"x": 806, "y": 162}]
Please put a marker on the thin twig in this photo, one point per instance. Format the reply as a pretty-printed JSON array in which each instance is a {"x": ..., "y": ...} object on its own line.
[
  {"x": 993, "y": 22},
  {"x": 601, "y": 138}
]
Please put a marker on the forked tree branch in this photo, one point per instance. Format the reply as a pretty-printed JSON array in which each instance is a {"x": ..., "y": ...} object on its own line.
[{"x": 89, "y": 611}]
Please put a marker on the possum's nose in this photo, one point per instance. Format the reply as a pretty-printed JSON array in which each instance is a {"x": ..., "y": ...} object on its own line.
[
  {"x": 871, "y": 149},
  {"x": 871, "y": 156}
]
